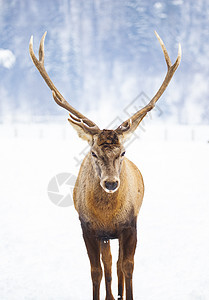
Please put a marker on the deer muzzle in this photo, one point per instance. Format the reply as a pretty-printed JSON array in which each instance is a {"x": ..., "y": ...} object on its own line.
[{"x": 110, "y": 185}]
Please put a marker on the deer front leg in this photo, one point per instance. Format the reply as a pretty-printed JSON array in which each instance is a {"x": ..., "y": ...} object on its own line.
[
  {"x": 128, "y": 244},
  {"x": 93, "y": 250},
  {"x": 107, "y": 261},
  {"x": 120, "y": 272}
]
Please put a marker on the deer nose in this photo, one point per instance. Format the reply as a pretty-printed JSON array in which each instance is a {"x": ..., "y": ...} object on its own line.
[{"x": 111, "y": 185}]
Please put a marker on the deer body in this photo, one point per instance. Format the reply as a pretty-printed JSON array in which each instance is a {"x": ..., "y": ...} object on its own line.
[
  {"x": 109, "y": 189},
  {"x": 104, "y": 211}
]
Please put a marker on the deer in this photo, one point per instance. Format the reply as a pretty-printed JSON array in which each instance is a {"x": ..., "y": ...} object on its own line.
[{"x": 109, "y": 189}]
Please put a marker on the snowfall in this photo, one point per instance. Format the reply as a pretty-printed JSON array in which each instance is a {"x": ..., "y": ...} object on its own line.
[{"x": 42, "y": 253}]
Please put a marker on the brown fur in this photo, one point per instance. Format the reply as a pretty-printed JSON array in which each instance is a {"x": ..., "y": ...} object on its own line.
[
  {"x": 107, "y": 137},
  {"x": 107, "y": 211},
  {"x": 105, "y": 215}
]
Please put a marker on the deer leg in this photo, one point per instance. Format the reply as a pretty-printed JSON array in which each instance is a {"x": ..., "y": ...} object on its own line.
[
  {"x": 107, "y": 261},
  {"x": 128, "y": 243},
  {"x": 120, "y": 272},
  {"x": 93, "y": 250}
]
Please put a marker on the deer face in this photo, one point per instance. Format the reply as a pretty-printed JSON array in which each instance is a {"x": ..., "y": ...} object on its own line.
[{"x": 107, "y": 154}]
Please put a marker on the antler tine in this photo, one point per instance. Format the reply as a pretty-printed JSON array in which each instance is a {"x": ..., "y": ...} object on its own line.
[
  {"x": 80, "y": 123},
  {"x": 167, "y": 58},
  {"x": 171, "y": 69},
  {"x": 139, "y": 115},
  {"x": 59, "y": 99},
  {"x": 41, "y": 48}
]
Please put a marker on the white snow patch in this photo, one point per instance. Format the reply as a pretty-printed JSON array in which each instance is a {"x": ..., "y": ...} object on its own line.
[{"x": 7, "y": 58}]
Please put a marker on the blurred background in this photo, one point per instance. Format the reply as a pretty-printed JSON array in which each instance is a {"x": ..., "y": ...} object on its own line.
[
  {"x": 105, "y": 59},
  {"x": 103, "y": 54}
]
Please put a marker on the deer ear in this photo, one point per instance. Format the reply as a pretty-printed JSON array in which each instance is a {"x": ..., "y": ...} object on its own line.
[
  {"x": 127, "y": 128},
  {"x": 123, "y": 137},
  {"x": 82, "y": 132}
]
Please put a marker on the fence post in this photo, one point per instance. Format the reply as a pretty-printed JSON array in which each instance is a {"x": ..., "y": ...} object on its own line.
[
  {"x": 193, "y": 135},
  {"x": 165, "y": 134}
]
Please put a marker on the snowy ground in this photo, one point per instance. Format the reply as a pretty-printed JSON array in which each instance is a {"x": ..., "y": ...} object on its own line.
[{"x": 42, "y": 254}]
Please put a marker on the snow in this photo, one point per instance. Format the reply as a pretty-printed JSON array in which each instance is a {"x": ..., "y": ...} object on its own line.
[
  {"x": 7, "y": 58},
  {"x": 42, "y": 252}
]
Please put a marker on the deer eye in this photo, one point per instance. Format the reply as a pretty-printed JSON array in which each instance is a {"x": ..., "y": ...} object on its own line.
[
  {"x": 93, "y": 154},
  {"x": 123, "y": 153}
]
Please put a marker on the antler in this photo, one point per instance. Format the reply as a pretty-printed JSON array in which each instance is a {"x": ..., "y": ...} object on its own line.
[
  {"x": 75, "y": 116},
  {"x": 131, "y": 124}
]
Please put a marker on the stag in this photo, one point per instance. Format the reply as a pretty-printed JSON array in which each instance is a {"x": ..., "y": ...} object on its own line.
[{"x": 109, "y": 189}]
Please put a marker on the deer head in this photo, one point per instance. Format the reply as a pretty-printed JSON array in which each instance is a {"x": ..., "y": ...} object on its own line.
[{"x": 107, "y": 150}]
